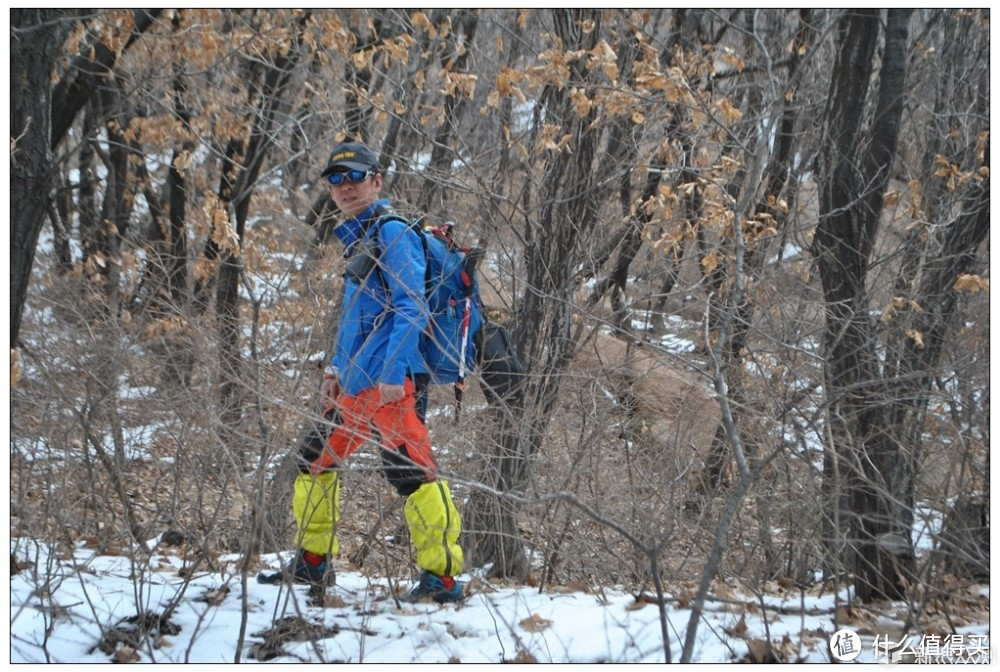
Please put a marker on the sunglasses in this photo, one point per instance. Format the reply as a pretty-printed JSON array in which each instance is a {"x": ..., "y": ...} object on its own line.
[{"x": 352, "y": 176}]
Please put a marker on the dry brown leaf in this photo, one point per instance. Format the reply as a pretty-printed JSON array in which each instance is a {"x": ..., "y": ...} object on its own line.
[
  {"x": 214, "y": 597},
  {"x": 916, "y": 337},
  {"x": 15, "y": 367},
  {"x": 788, "y": 648},
  {"x": 334, "y": 601},
  {"x": 17, "y": 565},
  {"x": 739, "y": 629},
  {"x": 522, "y": 657},
  {"x": 971, "y": 284},
  {"x": 641, "y": 600},
  {"x": 535, "y": 623},
  {"x": 760, "y": 651},
  {"x": 722, "y": 590},
  {"x": 126, "y": 654},
  {"x": 844, "y": 615}
]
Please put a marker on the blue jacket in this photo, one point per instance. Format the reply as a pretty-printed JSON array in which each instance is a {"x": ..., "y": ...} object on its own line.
[{"x": 384, "y": 308}]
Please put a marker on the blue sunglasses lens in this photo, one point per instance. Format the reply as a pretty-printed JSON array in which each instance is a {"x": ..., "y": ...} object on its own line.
[{"x": 352, "y": 176}]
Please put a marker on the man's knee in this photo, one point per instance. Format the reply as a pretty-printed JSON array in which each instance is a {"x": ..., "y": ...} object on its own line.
[
  {"x": 312, "y": 447},
  {"x": 402, "y": 472},
  {"x": 314, "y": 443}
]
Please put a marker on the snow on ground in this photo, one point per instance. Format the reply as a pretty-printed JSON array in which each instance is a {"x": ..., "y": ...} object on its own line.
[{"x": 75, "y": 608}]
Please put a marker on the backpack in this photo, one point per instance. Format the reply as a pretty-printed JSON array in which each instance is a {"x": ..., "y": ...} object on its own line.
[
  {"x": 456, "y": 308},
  {"x": 448, "y": 345},
  {"x": 458, "y": 335}
]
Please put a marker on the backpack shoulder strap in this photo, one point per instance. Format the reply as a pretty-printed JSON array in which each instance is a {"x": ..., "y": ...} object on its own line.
[{"x": 384, "y": 214}]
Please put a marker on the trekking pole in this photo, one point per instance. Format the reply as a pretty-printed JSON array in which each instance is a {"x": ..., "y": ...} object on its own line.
[
  {"x": 472, "y": 258},
  {"x": 460, "y": 383}
]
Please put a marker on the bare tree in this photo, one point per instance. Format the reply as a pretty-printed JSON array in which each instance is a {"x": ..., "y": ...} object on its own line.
[
  {"x": 41, "y": 114},
  {"x": 546, "y": 339},
  {"x": 874, "y": 412}
]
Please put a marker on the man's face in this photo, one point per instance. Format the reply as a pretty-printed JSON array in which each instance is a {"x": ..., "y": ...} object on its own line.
[{"x": 353, "y": 198}]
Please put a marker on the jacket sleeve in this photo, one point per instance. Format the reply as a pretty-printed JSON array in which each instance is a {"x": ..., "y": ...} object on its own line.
[{"x": 403, "y": 265}]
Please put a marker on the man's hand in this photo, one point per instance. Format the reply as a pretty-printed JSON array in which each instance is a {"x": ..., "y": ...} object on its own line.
[
  {"x": 388, "y": 394},
  {"x": 329, "y": 389}
]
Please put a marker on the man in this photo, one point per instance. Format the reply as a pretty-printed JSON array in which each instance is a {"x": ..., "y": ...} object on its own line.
[{"x": 370, "y": 384}]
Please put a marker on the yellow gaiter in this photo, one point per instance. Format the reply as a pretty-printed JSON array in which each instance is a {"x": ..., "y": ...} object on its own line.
[
  {"x": 434, "y": 528},
  {"x": 316, "y": 504}
]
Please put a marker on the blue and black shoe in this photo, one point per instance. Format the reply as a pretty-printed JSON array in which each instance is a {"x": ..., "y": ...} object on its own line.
[
  {"x": 305, "y": 567},
  {"x": 441, "y": 589}
]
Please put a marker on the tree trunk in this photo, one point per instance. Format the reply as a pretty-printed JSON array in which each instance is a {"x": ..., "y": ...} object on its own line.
[
  {"x": 40, "y": 117},
  {"x": 568, "y": 214},
  {"x": 407, "y": 95},
  {"x": 176, "y": 253},
  {"x": 243, "y": 166},
  {"x": 36, "y": 36},
  {"x": 775, "y": 179},
  {"x": 359, "y": 80},
  {"x": 965, "y": 539},
  {"x": 623, "y": 152},
  {"x": 93, "y": 63},
  {"x": 442, "y": 155},
  {"x": 490, "y": 518},
  {"x": 866, "y": 475}
]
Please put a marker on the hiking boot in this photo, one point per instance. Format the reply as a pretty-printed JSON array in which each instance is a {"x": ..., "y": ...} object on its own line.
[
  {"x": 439, "y": 588},
  {"x": 301, "y": 569}
]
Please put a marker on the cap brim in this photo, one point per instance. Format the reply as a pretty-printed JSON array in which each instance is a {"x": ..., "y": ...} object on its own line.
[{"x": 344, "y": 165}]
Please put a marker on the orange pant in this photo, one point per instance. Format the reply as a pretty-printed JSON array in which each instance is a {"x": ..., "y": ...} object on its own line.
[{"x": 397, "y": 425}]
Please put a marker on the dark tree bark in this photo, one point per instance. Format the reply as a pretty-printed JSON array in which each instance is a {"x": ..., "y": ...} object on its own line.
[
  {"x": 40, "y": 117},
  {"x": 914, "y": 365},
  {"x": 545, "y": 338},
  {"x": 359, "y": 82},
  {"x": 623, "y": 151},
  {"x": 690, "y": 36},
  {"x": 442, "y": 153},
  {"x": 242, "y": 167},
  {"x": 169, "y": 271},
  {"x": 94, "y": 61},
  {"x": 864, "y": 466},
  {"x": 776, "y": 175},
  {"x": 36, "y": 37},
  {"x": 176, "y": 259},
  {"x": 404, "y": 134}
]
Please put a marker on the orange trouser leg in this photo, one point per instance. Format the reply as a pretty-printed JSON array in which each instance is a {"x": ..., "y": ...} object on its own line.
[
  {"x": 347, "y": 437},
  {"x": 400, "y": 428}
]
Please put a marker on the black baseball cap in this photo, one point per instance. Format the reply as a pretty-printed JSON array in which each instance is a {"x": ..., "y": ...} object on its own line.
[{"x": 350, "y": 156}]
